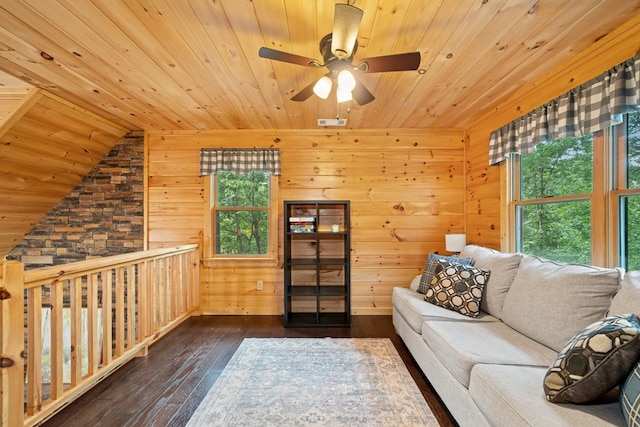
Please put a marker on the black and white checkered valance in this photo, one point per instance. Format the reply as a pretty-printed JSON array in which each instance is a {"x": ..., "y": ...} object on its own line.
[
  {"x": 592, "y": 106},
  {"x": 240, "y": 161}
]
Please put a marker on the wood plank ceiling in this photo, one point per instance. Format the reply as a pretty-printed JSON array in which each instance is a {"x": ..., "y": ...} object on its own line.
[{"x": 193, "y": 64}]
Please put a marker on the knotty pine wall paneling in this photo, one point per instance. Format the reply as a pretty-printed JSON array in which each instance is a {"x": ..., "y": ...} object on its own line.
[{"x": 406, "y": 187}]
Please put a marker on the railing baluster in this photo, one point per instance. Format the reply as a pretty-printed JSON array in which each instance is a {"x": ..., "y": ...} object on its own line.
[
  {"x": 107, "y": 316},
  {"x": 170, "y": 294},
  {"x": 57, "y": 376},
  {"x": 143, "y": 303},
  {"x": 153, "y": 295},
  {"x": 75, "y": 309},
  {"x": 120, "y": 320},
  {"x": 131, "y": 305},
  {"x": 162, "y": 292},
  {"x": 93, "y": 341},
  {"x": 34, "y": 350},
  {"x": 174, "y": 286},
  {"x": 181, "y": 262}
]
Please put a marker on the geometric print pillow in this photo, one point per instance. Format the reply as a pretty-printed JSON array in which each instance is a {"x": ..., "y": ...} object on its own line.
[
  {"x": 630, "y": 398},
  {"x": 430, "y": 266},
  {"x": 594, "y": 361},
  {"x": 458, "y": 287}
]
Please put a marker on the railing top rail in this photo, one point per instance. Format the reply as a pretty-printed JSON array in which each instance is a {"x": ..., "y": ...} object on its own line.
[{"x": 42, "y": 275}]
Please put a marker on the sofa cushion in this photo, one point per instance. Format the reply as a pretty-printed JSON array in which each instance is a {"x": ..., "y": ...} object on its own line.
[
  {"x": 594, "y": 361},
  {"x": 462, "y": 345},
  {"x": 415, "y": 310},
  {"x": 457, "y": 287},
  {"x": 415, "y": 283},
  {"x": 503, "y": 268},
  {"x": 512, "y": 396},
  {"x": 430, "y": 266},
  {"x": 630, "y": 397},
  {"x": 551, "y": 302},
  {"x": 627, "y": 300}
]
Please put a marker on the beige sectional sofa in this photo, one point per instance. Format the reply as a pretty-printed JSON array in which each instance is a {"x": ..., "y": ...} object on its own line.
[{"x": 489, "y": 370}]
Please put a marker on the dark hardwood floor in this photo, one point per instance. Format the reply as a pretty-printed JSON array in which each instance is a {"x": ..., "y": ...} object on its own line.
[{"x": 165, "y": 387}]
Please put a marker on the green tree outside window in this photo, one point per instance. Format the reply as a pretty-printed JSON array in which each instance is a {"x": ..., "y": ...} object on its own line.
[
  {"x": 557, "y": 229},
  {"x": 553, "y": 213},
  {"x": 241, "y": 213}
]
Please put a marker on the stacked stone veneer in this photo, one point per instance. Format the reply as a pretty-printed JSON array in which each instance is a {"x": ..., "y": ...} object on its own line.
[{"x": 101, "y": 216}]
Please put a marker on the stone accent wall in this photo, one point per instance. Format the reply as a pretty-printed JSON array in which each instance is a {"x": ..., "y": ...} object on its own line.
[{"x": 101, "y": 216}]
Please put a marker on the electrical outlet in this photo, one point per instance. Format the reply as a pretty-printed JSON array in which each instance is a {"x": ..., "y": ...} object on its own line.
[{"x": 260, "y": 285}]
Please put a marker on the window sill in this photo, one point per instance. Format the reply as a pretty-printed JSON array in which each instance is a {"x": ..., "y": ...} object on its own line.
[{"x": 239, "y": 262}]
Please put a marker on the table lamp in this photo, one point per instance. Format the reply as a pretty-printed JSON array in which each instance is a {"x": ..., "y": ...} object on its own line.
[{"x": 455, "y": 242}]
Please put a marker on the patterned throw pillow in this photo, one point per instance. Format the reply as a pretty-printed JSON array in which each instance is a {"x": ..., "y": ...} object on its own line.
[
  {"x": 430, "y": 268},
  {"x": 458, "y": 287},
  {"x": 594, "y": 361},
  {"x": 630, "y": 397}
]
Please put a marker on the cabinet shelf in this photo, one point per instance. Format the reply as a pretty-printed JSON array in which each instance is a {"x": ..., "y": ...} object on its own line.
[
  {"x": 315, "y": 319},
  {"x": 320, "y": 261},
  {"x": 317, "y": 263},
  {"x": 316, "y": 290}
]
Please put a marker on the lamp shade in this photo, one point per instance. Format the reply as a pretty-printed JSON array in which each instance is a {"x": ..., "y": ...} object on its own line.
[
  {"x": 455, "y": 242},
  {"x": 346, "y": 80},
  {"x": 346, "y": 24},
  {"x": 322, "y": 88}
]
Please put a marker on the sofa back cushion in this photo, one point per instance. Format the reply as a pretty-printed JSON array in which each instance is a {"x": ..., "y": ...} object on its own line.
[
  {"x": 503, "y": 268},
  {"x": 551, "y": 302},
  {"x": 627, "y": 300}
]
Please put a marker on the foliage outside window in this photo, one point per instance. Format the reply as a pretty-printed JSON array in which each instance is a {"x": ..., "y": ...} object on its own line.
[
  {"x": 553, "y": 212},
  {"x": 627, "y": 189},
  {"x": 555, "y": 198},
  {"x": 241, "y": 213}
]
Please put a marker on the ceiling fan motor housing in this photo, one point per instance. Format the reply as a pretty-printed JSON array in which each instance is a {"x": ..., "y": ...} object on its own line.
[{"x": 331, "y": 61}]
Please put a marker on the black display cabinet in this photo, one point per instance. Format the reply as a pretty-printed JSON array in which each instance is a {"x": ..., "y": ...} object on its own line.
[{"x": 317, "y": 276}]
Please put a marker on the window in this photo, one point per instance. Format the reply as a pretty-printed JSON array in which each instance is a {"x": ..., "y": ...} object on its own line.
[
  {"x": 578, "y": 199},
  {"x": 627, "y": 191},
  {"x": 241, "y": 217},
  {"x": 241, "y": 213},
  {"x": 553, "y": 200}
]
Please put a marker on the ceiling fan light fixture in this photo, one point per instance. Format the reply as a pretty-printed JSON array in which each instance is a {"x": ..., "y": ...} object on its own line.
[
  {"x": 338, "y": 49},
  {"x": 346, "y": 80},
  {"x": 343, "y": 94},
  {"x": 346, "y": 23},
  {"x": 322, "y": 88}
]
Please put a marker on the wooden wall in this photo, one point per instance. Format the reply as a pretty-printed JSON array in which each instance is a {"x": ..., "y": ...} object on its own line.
[{"x": 406, "y": 189}]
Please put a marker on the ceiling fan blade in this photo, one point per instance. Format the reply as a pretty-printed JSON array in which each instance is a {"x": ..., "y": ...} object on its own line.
[
  {"x": 278, "y": 55},
  {"x": 305, "y": 93},
  {"x": 346, "y": 23},
  {"x": 361, "y": 94},
  {"x": 398, "y": 62}
]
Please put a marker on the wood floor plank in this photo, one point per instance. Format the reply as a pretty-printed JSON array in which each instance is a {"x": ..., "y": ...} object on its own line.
[{"x": 165, "y": 387}]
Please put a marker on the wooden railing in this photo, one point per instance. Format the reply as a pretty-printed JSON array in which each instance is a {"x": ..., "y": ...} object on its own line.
[{"x": 65, "y": 328}]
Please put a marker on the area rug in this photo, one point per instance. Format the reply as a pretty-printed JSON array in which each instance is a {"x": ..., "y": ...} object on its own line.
[{"x": 314, "y": 382}]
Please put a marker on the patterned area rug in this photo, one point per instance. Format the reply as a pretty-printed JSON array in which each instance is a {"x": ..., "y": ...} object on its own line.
[{"x": 314, "y": 382}]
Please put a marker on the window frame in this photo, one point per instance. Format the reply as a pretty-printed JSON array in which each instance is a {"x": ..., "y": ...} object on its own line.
[
  {"x": 211, "y": 259},
  {"x": 619, "y": 187},
  {"x": 609, "y": 163}
]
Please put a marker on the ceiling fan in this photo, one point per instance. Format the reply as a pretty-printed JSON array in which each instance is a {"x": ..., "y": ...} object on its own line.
[{"x": 338, "y": 49}]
